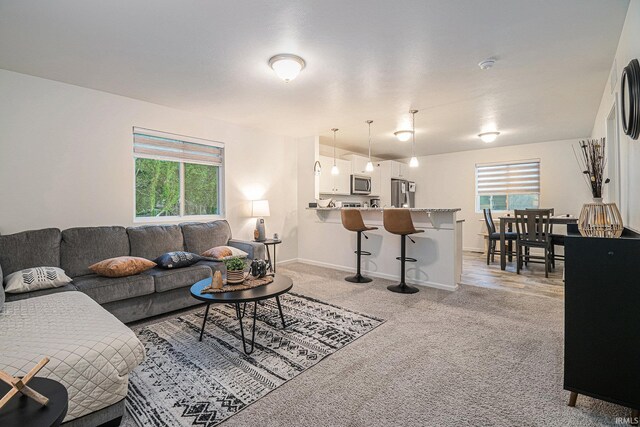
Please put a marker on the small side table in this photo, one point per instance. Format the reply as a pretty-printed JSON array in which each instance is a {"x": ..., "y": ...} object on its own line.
[
  {"x": 21, "y": 411},
  {"x": 267, "y": 243}
]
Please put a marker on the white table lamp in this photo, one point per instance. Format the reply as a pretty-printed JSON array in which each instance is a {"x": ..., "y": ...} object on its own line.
[{"x": 260, "y": 209}]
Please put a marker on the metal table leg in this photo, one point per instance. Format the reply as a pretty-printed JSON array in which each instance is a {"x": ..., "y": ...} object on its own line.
[
  {"x": 274, "y": 258},
  {"x": 253, "y": 333},
  {"x": 284, "y": 325},
  {"x": 271, "y": 266},
  {"x": 206, "y": 313},
  {"x": 240, "y": 313}
]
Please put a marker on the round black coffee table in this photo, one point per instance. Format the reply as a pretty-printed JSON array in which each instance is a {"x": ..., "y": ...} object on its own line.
[
  {"x": 22, "y": 411},
  {"x": 280, "y": 285}
]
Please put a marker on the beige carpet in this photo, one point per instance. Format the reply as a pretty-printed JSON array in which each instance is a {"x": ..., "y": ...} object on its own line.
[{"x": 476, "y": 357}]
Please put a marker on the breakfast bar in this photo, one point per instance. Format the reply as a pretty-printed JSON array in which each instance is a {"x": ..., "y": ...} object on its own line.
[{"x": 438, "y": 250}]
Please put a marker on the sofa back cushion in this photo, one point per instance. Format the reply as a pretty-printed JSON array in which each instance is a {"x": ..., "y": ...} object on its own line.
[
  {"x": 28, "y": 249},
  {"x": 84, "y": 246},
  {"x": 151, "y": 241},
  {"x": 201, "y": 236}
]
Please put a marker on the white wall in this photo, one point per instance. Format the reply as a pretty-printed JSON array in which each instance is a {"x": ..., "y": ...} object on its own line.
[
  {"x": 448, "y": 181},
  {"x": 628, "y": 49},
  {"x": 66, "y": 160}
]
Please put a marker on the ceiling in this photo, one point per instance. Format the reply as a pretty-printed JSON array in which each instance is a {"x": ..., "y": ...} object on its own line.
[{"x": 366, "y": 59}]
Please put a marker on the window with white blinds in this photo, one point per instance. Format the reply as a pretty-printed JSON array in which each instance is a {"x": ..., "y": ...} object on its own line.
[
  {"x": 176, "y": 176},
  {"x": 508, "y": 186}
]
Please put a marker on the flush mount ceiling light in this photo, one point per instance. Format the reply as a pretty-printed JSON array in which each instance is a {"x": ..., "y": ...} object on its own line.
[
  {"x": 487, "y": 63},
  {"x": 489, "y": 136},
  {"x": 287, "y": 66},
  {"x": 403, "y": 135}
]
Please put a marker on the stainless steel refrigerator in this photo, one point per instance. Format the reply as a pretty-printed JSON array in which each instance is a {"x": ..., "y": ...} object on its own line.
[{"x": 403, "y": 193}]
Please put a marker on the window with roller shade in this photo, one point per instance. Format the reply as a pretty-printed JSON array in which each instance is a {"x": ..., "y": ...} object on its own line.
[
  {"x": 508, "y": 186},
  {"x": 177, "y": 176}
]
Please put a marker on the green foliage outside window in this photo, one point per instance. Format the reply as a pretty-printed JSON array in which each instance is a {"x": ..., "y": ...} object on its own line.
[
  {"x": 158, "y": 188},
  {"x": 504, "y": 202},
  {"x": 200, "y": 189}
]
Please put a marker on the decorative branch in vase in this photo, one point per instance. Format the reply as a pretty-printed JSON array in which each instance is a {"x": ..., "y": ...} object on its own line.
[
  {"x": 593, "y": 161},
  {"x": 597, "y": 219}
]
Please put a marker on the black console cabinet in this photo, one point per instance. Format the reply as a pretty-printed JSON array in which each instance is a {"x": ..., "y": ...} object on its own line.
[{"x": 602, "y": 318}]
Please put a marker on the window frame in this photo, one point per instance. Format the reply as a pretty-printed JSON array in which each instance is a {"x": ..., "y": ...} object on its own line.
[
  {"x": 181, "y": 163},
  {"x": 507, "y": 193}
]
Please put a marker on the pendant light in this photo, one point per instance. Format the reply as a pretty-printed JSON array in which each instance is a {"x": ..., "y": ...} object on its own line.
[
  {"x": 334, "y": 169},
  {"x": 369, "y": 167},
  {"x": 413, "y": 163}
]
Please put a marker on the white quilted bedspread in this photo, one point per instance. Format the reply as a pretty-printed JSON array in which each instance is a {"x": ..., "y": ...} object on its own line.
[{"x": 91, "y": 352}]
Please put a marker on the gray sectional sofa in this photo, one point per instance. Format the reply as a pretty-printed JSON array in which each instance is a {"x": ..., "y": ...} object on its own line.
[
  {"x": 63, "y": 323},
  {"x": 153, "y": 292}
]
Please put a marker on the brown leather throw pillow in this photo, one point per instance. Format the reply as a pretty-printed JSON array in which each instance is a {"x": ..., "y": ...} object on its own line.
[
  {"x": 219, "y": 252},
  {"x": 121, "y": 266}
]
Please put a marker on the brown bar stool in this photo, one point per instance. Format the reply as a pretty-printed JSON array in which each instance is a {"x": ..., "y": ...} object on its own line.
[
  {"x": 352, "y": 221},
  {"x": 398, "y": 221}
]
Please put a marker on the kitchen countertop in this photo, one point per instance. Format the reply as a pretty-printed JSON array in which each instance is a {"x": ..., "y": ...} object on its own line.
[{"x": 381, "y": 209}]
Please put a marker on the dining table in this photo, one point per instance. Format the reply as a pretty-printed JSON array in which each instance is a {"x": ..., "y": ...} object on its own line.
[{"x": 506, "y": 224}]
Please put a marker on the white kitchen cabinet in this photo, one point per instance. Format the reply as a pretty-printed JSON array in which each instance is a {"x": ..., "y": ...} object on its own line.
[
  {"x": 335, "y": 184},
  {"x": 358, "y": 164},
  {"x": 342, "y": 181},
  {"x": 399, "y": 170},
  {"x": 376, "y": 180},
  {"x": 326, "y": 179}
]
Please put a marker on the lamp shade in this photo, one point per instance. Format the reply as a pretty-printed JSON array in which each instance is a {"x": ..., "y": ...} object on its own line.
[{"x": 260, "y": 208}]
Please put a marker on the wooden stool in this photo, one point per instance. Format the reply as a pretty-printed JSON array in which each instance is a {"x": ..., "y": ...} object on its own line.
[
  {"x": 398, "y": 221},
  {"x": 352, "y": 221}
]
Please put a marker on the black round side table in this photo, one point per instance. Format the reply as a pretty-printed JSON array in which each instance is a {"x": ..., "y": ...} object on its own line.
[
  {"x": 22, "y": 411},
  {"x": 267, "y": 243}
]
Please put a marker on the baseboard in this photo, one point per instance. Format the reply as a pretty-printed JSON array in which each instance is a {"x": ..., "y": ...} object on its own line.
[
  {"x": 481, "y": 250},
  {"x": 379, "y": 275},
  {"x": 287, "y": 261}
]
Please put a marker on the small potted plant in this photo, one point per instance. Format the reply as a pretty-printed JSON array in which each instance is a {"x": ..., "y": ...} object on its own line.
[{"x": 235, "y": 270}]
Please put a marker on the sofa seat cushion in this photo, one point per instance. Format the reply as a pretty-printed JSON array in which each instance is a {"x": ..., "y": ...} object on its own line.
[
  {"x": 151, "y": 241},
  {"x": 166, "y": 280},
  {"x": 30, "y": 249},
  {"x": 84, "y": 246},
  {"x": 109, "y": 289}
]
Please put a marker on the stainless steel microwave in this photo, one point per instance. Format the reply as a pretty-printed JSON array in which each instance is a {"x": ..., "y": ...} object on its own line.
[{"x": 360, "y": 184}]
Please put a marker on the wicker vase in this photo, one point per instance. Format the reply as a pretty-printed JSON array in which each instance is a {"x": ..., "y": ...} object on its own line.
[{"x": 600, "y": 219}]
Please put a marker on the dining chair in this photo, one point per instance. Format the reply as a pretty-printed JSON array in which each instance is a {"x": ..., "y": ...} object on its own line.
[
  {"x": 493, "y": 236},
  {"x": 533, "y": 231},
  {"x": 556, "y": 240}
]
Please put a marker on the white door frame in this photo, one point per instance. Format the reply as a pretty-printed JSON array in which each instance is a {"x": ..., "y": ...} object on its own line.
[{"x": 613, "y": 154}]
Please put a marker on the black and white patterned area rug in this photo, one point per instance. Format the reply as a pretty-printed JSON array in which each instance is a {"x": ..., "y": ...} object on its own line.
[{"x": 184, "y": 382}]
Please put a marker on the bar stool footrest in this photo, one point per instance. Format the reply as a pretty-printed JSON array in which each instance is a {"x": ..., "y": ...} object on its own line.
[
  {"x": 365, "y": 253},
  {"x": 407, "y": 259}
]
